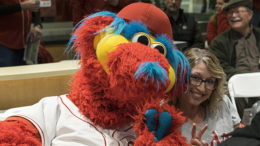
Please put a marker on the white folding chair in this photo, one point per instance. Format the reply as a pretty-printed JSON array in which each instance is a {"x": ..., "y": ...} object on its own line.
[{"x": 244, "y": 85}]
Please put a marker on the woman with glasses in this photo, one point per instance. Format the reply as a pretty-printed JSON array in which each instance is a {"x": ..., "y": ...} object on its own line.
[{"x": 210, "y": 114}]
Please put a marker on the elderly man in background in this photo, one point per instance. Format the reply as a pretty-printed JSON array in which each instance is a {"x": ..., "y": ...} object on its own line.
[{"x": 238, "y": 49}]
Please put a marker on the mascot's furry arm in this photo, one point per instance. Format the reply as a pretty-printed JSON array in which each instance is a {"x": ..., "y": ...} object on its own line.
[
  {"x": 126, "y": 73},
  {"x": 18, "y": 131}
]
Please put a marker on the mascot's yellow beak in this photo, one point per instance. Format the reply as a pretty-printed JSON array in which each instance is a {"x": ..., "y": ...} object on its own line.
[{"x": 105, "y": 43}]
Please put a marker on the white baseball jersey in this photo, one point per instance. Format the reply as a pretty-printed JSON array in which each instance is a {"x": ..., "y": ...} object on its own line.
[{"x": 60, "y": 123}]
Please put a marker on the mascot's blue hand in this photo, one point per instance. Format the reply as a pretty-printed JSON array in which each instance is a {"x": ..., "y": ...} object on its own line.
[
  {"x": 165, "y": 121},
  {"x": 164, "y": 124},
  {"x": 150, "y": 115}
]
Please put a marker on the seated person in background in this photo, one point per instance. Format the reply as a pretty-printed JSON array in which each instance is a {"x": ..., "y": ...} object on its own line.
[
  {"x": 205, "y": 104},
  {"x": 256, "y": 17},
  {"x": 250, "y": 135},
  {"x": 184, "y": 26},
  {"x": 238, "y": 49},
  {"x": 82, "y": 8},
  {"x": 218, "y": 22}
]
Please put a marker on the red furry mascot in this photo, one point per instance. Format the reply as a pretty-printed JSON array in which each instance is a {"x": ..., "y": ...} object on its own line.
[{"x": 129, "y": 68}]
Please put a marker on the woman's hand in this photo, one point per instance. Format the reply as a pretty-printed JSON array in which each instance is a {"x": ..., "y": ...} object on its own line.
[{"x": 196, "y": 138}]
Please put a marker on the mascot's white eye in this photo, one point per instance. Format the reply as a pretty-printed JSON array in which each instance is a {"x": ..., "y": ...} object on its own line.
[
  {"x": 160, "y": 47},
  {"x": 141, "y": 38}
]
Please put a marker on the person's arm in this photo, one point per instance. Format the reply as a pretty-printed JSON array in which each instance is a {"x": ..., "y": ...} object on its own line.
[
  {"x": 9, "y": 9},
  {"x": 36, "y": 19},
  {"x": 19, "y": 131},
  {"x": 37, "y": 29},
  {"x": 219, "y": 50},
  {"x": 30, "y": 5},
  {"x": 197, "y": 37},
  {"x": 211, "y": 31}
]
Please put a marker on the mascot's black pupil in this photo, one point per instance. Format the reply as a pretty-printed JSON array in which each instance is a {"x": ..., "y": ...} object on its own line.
[
  {"x": 159, "y": 48},
  {"x": 143, "y": 40}
]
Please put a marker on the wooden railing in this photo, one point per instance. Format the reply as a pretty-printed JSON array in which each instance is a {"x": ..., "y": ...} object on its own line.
[{"x": 25, "y": 85}]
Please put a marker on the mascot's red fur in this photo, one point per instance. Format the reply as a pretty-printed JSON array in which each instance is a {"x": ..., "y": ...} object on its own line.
[{"x": 129, "y": 66}]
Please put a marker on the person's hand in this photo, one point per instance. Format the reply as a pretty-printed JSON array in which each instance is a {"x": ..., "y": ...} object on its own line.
[
  {"x": 112, "y": 2},
  {"x": 196, "y": 138},
  {"x": 37, "y": 33},
  {"x": 32, "y": 5}
]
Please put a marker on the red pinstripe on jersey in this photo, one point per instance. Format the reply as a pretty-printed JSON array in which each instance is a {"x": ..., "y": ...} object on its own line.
[{"x": 84, "y": 121}]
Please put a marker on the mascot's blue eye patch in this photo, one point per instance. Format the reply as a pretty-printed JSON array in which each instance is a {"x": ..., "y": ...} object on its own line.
[
  {"x": 165, "y": 41},
  {"x": 134, "y": 27}
]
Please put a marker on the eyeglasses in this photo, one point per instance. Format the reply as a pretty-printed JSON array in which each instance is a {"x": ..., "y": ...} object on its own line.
[
  {"x": 237, "y": 12},
  {"x": 209, "y": 84}
]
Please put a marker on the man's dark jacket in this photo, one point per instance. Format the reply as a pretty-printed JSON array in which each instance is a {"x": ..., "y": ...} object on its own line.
[
  {"x": 223, "y": 46},
  {"x": 185, "y": 28}
]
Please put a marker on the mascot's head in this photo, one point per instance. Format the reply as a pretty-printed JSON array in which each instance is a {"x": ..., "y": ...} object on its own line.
[
  {"x": 158, "y": 24},
  {"x": 127, "y": 60}
]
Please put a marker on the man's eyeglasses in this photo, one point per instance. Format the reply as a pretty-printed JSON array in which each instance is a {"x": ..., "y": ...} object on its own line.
[
  {"x": 209, "y": 84},
  {"x": 237, "y": 12}
]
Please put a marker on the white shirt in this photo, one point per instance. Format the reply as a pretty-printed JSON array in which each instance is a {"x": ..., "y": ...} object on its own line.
[
  {"x": 60, "y": 123},
  {"x": 218, "y": 125}
]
